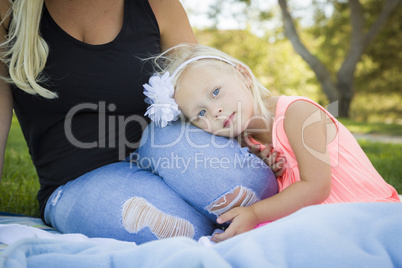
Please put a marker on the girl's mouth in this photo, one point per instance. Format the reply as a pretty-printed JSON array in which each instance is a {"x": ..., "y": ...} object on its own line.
[{"x": 228, "y": 121}]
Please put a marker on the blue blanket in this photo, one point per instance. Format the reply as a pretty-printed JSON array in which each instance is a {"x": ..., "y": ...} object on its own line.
[{"x": 335, "y": 235}]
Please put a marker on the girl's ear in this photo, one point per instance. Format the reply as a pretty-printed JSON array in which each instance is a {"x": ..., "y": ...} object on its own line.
[{"x": 245, "y": 73}]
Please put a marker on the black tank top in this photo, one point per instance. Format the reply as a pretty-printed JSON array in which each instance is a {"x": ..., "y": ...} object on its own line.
[{"x": 97, "y": 118}]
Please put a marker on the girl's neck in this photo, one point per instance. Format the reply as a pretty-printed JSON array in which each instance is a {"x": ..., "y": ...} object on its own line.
[{"x": 261, "y": 128}]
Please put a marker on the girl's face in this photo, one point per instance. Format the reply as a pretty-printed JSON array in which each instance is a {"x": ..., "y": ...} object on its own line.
[{"x": 215, "y": 100}]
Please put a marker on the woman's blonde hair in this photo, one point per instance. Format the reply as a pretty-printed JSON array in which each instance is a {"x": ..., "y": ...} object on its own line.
[
  {"x": 172, "y": 58},
  {"x": 24, "y": 51}
]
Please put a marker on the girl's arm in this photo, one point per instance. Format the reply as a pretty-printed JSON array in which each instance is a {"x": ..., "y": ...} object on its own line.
[
  {"x": 306, "y": 128},
  {"x": 173, "y": 23}
]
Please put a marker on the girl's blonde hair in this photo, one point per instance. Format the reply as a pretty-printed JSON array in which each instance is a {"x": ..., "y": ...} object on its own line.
[
  {"x": 24, "y": 51},
  {"x": 172, "y": 58}
]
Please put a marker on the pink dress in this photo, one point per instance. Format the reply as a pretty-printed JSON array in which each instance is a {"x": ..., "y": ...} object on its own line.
[{"x": 354, "y": 179}]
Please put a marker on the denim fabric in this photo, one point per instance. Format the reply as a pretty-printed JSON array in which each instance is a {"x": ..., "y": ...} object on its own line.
[
  {"x": 201, "y": 167},
  {"x": 92, "y": 204},
  {"x": 180, "y": 185}
]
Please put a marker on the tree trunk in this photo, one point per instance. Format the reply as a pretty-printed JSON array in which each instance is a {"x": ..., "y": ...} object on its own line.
[
  {"x": 345, "y": 100},
  {"x": 345, "y": 75}
]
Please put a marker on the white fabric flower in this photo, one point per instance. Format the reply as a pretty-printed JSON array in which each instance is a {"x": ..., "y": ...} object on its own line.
[{"x": 163, "y": 108}]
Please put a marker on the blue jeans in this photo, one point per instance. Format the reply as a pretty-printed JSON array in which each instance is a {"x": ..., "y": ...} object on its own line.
[{"x": 176, "y": 184}]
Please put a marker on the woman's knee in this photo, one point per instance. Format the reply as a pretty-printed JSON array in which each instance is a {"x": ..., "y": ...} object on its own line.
[{"x": 203, "y": 168}]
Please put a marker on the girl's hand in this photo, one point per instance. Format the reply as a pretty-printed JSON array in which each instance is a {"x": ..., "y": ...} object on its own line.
[
  {"x": 270, "y": 157},
  {"x": 243, "y": 219}
]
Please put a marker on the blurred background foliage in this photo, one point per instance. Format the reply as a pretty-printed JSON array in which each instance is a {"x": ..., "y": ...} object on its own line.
[{"x": 257, "y": 38}]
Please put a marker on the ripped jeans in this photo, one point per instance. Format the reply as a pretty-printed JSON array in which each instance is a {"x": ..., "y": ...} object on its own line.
[{"x": 176, "y": 184}]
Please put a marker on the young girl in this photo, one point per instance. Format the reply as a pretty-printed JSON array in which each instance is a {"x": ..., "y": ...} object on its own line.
[{"x": 219, "y": 94}]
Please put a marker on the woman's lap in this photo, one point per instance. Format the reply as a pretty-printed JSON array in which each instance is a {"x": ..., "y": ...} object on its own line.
[{"x": 125, "y": 202}]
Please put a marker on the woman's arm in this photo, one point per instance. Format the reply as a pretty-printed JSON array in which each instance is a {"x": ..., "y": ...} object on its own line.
[
  {"x": 173, "y": 23},
  {"x": 306, "y": 128},
  {"x": 6, "y": 99},
  {"x": 6, "y": 108},
  {"x": 4, "y": 9}
]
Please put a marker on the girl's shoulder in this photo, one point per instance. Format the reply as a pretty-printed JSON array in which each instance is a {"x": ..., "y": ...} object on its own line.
[
  {"x": 285, "y": 101},
  {"x": 293, "y": 104},
  {"x": 296, "y": 106},
  {"x": 294, "y": 111},
  {"x": 303, "y": 114},
  {"x": 301, "y": 110},
  {"x": 302, "y": 105}
]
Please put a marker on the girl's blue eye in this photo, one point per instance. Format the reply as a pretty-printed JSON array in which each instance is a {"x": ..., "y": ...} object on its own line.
[
  {"x": 216, "y": 92},
  {"x": 202, "y": 113}
]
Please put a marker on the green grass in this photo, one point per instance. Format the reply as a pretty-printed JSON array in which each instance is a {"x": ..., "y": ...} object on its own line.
[
  {"x": 372, "y": 128},
  {"x": 387, "y": 159},
  {"x": 20, "y": 183}
]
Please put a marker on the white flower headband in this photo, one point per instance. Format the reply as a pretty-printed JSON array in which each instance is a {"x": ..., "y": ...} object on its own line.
[{"x": 159, "y": 91}]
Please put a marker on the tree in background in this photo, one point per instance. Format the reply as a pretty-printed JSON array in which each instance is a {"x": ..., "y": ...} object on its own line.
[
  {"x": 379, "y": 75},
  {"x": 340, "y": 89}
]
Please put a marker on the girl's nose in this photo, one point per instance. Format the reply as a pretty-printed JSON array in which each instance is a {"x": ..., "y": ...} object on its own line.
[{"x": 217, "y": 111}]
